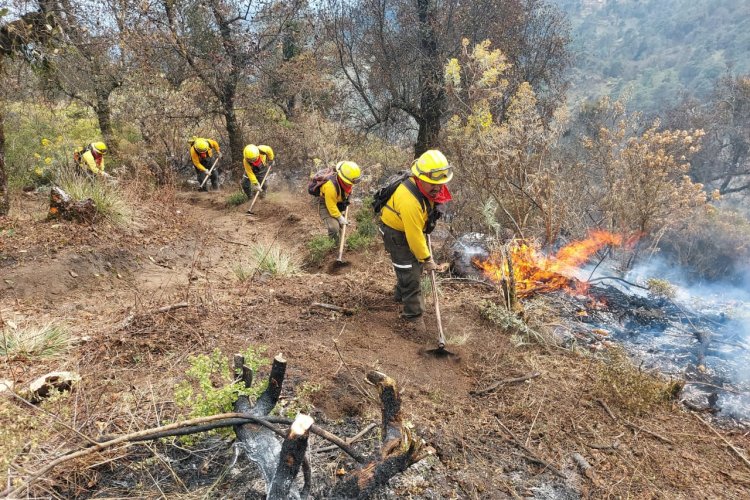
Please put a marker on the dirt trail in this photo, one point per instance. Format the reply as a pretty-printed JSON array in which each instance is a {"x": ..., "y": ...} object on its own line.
[{"x": 108, "y": 277}]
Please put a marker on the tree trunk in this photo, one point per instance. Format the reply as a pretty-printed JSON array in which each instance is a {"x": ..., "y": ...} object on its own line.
[
  {"x": 104, "y": 116},
  {"x": 236, "y": 141},
  {"x": 4, "y": 196},
  {"x": 432, "y": 98}
]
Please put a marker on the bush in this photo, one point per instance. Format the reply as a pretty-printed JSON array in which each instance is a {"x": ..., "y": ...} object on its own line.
[
  {"x": 275, "y": 260},
  {"x": 31, "y": 342},
  {"x": 621, "y": 383},
  {"x": 236, "y": 198},
  {"x": 40, "y": 140},
  {"x": 209, "y": 387},
  {"x": 367, "y": 229},
  {"x": 319, "y": 247}
]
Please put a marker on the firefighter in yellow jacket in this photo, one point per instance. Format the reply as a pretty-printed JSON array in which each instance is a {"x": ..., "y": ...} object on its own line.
[
  {"x": 202, "y": 152},
  {"x": 257, "y": 161},
  {"x": 334, "y": 196},
  {"x": 412, "y": 210},
  {"x": 91, "y": 159}
]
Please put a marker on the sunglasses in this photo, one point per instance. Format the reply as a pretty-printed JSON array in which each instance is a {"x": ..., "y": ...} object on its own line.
[
  {"x": 347, "y": 179},
  {"x": 436, "y": 175}
]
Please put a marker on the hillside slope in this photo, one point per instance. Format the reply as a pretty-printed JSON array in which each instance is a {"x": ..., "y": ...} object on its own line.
[
  {"x": 656, "y": 50},
  {"x": 187, "y": 247}
]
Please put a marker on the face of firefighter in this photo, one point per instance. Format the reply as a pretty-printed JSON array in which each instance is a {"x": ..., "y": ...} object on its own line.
[{"x": 430, "y": 189}]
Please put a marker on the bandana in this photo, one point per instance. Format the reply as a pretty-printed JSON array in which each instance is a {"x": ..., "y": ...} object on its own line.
[
  {"x": 347, "y": 188},
  {"x": 257, "y": 162},
  {"x": 443, "y": 196}
]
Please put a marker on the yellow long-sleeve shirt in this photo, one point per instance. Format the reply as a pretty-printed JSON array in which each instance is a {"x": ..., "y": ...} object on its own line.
[
  {"x": 266, "y": 155},
  {"x": 195, "y": 156},
  {"x": 91, "y": 163},
  {"x": 405, "y": 213},
  {"x": 332, "y": 196}
]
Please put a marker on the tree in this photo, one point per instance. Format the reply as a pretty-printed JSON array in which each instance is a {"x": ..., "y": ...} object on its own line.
[
  {"x": 18, "y": 38},
  {"x": 392, "y": 53},
  {"x": 225, "y": 43},
  {"x": 91, "y": 61},
  {"x": 724, "y": 161}
]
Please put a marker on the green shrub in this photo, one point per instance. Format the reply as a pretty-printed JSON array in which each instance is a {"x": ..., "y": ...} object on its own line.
[
  {"x": 108, "y": 198},
  {"x": 319, "y": 247},
  {"x": 40, "y": 140},
  {"x": 31, "y": 342},
  {"x": 509, "y": 322},
  {"x": 624, "y": 385},
  {"x": 209, "y": 387},
  {"x": 661, "y": 288},
  {"x": 367, "y": 229},
  {"x": 236, "y": 198},
  {"x": 275, "y": 260}
]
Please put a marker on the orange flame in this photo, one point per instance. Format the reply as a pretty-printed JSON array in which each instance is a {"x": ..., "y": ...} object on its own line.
[{"x": 535, "y": 272}]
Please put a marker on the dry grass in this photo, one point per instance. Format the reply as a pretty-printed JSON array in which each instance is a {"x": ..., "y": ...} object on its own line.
[{"x": 34, "y": 341}]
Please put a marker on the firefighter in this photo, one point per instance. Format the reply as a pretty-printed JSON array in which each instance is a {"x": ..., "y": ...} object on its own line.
[
  {"x": 257, "y": 161},
  {"x": 90, "y": 159},
  {"x": 412, "y": 210},
  {"x": 202, "y": 153},
  {"x": 334, "y": 196}
]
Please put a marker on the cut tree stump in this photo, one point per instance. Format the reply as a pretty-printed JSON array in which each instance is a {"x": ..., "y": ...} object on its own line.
[{"x": 62, "y": 206}]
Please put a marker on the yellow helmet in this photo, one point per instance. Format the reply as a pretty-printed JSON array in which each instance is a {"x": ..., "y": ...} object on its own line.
[
  {"x": 432, "y": 167},
  {"x": 251, "y": 152},
  {"x": 266, "y": 150},
  {"x": 348, "y": 171},
  {"x": 99, "y": 147},
  {"x": 201, "y": 145}
]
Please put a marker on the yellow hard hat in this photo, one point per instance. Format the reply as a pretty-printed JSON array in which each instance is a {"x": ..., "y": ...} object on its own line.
[
  {"x": 99, "y": 147},
  {"x": 348, "y": 171},
  {"x": 251, "y": 152},
  {"x": 201, "y": 145},
  {"x": 266, "y": 150},
  {"x": 432, "y": 167}
]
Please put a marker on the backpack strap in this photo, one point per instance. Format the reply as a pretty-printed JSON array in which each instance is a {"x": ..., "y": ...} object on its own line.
[{"x": 416, "y": 193}]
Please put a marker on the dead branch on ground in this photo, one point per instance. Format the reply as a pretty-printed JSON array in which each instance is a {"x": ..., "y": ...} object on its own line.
[{"x": 507, "y": 381}]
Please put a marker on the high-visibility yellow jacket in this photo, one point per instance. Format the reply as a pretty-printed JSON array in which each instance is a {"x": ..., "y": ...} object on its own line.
[
  {"x": 405, "y": 213},
  {"x": 266, "y": 155},
  {"x": 95, "y": 165},
  {"x": 195, "y": 156},
  {"x": 332, "y": 195}
]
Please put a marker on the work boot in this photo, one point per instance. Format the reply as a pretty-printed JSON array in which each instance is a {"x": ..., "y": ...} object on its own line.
[{"x": 412, "y": 326}]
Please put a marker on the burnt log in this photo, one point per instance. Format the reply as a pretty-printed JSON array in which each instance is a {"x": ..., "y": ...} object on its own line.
[
  {"x": 400, "y": 448},
  {"x": 260, "y": 443},
  {"x": 63, "y": 206}
]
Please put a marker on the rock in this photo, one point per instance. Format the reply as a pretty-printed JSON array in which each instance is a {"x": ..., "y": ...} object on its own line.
[
  {"x": 46, "y": 385},
  {"x": 6, "y": 385}
]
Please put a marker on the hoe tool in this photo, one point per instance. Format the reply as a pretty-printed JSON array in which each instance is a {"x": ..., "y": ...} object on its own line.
[
  {"x": 208, "y": 175},
  {"x": 260, "y": 190},
  {"x": 340, "y": 262},
  {"x": 441, "y": 351}
]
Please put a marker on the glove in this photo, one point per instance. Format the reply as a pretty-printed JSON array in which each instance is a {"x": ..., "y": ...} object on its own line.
[
  {"x": 255, "y": 188},
  {"x": 342, "y": 221},
  {"x": 430, "y": 265}
]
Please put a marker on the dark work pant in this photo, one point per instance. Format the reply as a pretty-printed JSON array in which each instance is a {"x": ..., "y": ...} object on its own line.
[
  {"x": 260, "y": 175},
  {"x": 408, "y": 272},
  {"x": 334, "y": 229},
  {"x": 214, "y": 179}
]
